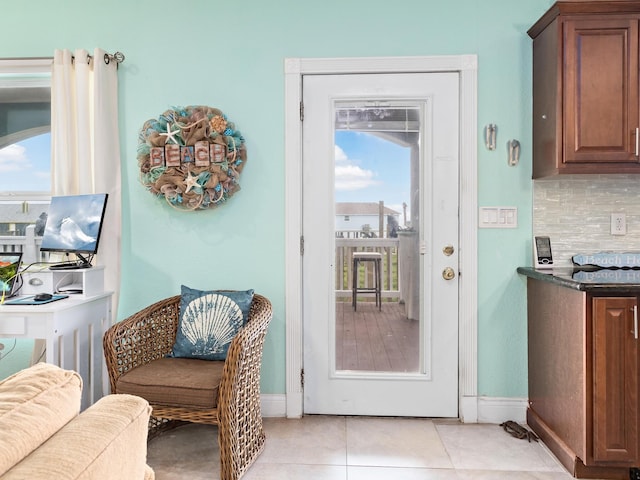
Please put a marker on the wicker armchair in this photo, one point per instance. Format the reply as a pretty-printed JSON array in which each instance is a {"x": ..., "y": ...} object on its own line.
[{"x": 144, "y": 339}]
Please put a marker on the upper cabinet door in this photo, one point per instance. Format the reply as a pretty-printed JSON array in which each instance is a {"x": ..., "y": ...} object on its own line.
[
  {"x": 585, "y": 88},
  {"x": 601, "y": 90}
]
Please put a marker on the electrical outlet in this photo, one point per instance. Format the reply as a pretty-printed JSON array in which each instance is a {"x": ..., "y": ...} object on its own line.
[{"x": 618, "y": 224}]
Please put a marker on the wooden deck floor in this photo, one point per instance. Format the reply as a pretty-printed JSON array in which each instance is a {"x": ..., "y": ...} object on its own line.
[{"x": 372, "y": 340}]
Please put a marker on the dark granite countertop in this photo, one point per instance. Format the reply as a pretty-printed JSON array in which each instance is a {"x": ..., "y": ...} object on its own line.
[{"x": 589, "y": 279}]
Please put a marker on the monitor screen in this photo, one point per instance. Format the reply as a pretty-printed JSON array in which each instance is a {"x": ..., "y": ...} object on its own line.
[
  {"x": 74, "y": 223},
  {"x": 9, "y": 266}
]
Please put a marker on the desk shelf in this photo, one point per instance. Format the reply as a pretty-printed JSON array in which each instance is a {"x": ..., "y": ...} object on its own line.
[{"x": 85, "y": 282}]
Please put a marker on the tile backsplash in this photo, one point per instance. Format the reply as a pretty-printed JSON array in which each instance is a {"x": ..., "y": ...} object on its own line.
[{"x": 575, "y": 212}]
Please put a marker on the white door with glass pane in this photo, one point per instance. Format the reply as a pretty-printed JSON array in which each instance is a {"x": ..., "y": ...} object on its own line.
[{"x": 383, "y": 149}]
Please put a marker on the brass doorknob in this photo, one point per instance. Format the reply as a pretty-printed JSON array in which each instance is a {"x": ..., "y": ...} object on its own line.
[{"x": 448, "y": 273}]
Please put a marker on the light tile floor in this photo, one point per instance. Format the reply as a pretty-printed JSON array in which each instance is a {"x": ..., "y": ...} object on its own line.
[{"x": 362, "y": 448}]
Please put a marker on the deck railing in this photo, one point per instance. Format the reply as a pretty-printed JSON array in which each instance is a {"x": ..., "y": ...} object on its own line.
[
  {"x": 28, "y": 244},
  {"x": 388, "y": 247}
]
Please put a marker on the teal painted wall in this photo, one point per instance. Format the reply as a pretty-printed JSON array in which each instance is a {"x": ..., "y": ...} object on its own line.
[{"x": 230, "y": 55}]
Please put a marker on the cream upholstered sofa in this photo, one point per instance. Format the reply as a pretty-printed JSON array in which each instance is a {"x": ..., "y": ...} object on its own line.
[{"x": 43, "y": 435}]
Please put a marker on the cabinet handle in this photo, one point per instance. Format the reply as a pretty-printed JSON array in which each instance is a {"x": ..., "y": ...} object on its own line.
[
  {"x": 637, "y": 142},
  {"x": 635, "y": 322}
]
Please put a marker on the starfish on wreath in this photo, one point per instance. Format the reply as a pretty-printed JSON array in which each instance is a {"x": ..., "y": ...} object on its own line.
[
  {"x": 170, "y": 134},
  {"x": 191, "y": 181}
]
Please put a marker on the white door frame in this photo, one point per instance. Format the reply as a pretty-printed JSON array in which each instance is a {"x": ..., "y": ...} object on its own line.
[{"x": 466, "y": 66}]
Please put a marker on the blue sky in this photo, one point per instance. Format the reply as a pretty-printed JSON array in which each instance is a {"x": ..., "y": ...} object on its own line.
[
  {"x": 370, "y": 169},
  {"x": 26, "y": 165}
]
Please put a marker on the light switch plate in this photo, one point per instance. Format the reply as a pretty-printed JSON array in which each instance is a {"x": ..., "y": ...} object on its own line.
[{"x": 498, "y": 217}]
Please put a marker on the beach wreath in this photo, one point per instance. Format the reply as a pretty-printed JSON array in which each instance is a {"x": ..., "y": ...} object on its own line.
[{"x": 192, "y": 157}]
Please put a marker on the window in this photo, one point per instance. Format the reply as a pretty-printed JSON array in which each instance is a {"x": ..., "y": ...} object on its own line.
[
  {"x": 25, "y": 144},
  {"x": 25, "y": 152},
  {"x": 346, "y": 218}
]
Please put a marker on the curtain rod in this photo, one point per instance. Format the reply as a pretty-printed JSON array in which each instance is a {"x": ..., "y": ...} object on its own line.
[{"x": 117, "y": 57}]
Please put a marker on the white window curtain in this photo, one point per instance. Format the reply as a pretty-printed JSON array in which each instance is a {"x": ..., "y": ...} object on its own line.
[{"x": 85, "y": 143}]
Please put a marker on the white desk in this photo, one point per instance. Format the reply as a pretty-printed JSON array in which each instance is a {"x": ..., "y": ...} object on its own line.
[{"x": 72, "y": 329}]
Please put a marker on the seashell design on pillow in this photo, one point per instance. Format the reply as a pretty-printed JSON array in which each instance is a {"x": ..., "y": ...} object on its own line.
[{"x": 210, "y": 322}]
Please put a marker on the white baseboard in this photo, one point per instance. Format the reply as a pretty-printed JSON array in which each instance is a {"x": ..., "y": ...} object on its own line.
[
  {"x": 489, "y": 409},
  {"x": 498, "y": 409},
  {"x": 273, "y": 405}
]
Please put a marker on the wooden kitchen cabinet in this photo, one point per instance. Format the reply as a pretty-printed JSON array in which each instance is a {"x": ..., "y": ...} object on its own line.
[
  {"x": 585, "y": 88},
  {"x": 583, "y": 377}
]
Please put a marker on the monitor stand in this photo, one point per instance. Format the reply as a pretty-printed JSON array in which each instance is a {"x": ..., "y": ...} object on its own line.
[
  {"x": 86, "y": 282},
  {"x": 81, "y": 262}
]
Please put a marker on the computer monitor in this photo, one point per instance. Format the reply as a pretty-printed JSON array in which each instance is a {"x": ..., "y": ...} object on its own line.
[{"x": 74, "y": 224}]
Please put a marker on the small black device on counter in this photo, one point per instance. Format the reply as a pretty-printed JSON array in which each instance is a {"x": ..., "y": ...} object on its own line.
[{"x": 542, "y": 257}]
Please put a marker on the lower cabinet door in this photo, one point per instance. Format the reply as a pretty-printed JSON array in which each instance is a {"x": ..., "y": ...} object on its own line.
[{"x": 615, "y": 379}]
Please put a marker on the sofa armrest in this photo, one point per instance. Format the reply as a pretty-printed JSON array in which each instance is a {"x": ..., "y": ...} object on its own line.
[
  {"x": 141, "y": 338},
  {"x": 106, "y": 441},
  {"x": 149, "y": 474},
  {"x": 35, "y": 403}
]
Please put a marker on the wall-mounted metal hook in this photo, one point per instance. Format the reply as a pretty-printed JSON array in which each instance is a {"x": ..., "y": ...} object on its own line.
[
  {"x": 490, "y": 134},
  {"x": 514, "y": 152}
]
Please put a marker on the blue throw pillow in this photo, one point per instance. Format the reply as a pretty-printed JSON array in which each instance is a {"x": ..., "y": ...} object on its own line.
[{"x": 208, "y": 322}]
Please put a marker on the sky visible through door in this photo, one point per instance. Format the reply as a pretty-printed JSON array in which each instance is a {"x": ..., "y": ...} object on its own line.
[{"x": 371, "y": 169}]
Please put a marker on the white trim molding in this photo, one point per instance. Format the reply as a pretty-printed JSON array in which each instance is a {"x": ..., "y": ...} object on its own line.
[
  {"x": 485, "y": 409},
  {"x": 498, "y": 409},
  {"x": 25, "y": 66},
  {"x": 273, "y": 405},
  {"x": 467, "y": 67}
]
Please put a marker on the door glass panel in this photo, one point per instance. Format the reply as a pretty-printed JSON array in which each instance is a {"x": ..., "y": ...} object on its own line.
[{"x": 377, "y": 236}]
